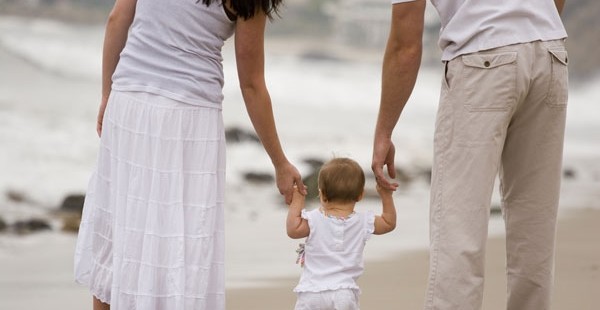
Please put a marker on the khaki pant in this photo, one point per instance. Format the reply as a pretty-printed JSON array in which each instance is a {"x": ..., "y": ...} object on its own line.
[{"x": 501, "y": 111}]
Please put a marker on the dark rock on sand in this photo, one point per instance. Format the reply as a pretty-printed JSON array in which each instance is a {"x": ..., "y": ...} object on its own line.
[
  {"x": 3, "y": 225},
  {"x": 314, "y": 163},
  {"x": 569, "y": 173},
  {"x": 16, "y": 196},
  {"x": 257, "y": 177},
  {"x": 237, "y": 135},
  {"x": 73, "y": 204},
  {"x": 426, "y": 174},
  {"x": 71, "y": 223},
  {"x": 311, "y": 181},
  {"x": 32, "y": 225}
]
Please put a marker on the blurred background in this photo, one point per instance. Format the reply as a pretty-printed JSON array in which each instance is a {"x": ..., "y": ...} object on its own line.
[{"x": 323, "y": 71}]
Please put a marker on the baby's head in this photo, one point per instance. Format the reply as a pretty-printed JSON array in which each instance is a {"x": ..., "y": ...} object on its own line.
[{"x": 341, "y": 180}]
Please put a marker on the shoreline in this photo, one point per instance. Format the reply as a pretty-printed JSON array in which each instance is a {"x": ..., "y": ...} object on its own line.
[{"x": 577, "y": 274}]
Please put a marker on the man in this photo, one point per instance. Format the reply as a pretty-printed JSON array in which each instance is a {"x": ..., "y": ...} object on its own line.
[{"x": 502, "y": 110}]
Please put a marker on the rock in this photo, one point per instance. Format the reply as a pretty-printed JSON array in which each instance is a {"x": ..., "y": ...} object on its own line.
[
  {"x": 426, "y": 174},
  {"x": 569, "y": 173},
  {"x": 237, "y": 135},
  {"x": 314, "y": 163},
  {"x": 403, "y": 176},
  {"x": 3, "y": 225},
  {"x": 32, "y": 225},
  {"x": 71, "y": 224},
  {"x": 319, "y": 55},
  {"x": 257, "y": 177},
  {"x": 73, "y": 204},
  {"x": 15, "y": 196},
  {"x": 311, "y": 181}
]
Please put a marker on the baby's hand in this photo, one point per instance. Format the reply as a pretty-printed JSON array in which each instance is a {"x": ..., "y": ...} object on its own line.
[
  {"x": 297, "y": 195},
  {"x": 383, "y": 192}
]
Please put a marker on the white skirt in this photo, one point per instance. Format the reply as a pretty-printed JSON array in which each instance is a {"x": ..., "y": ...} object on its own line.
[{"x": 152, "y": 235}]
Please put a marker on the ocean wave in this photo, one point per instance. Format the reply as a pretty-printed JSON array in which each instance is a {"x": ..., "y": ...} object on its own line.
[{"x": 73, "y": 51}]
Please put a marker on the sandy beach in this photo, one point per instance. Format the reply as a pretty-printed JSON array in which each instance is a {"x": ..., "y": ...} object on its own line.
[{"x": 400, "y": 282}]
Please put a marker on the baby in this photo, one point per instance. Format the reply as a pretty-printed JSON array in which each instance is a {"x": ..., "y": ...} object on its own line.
[{"x": 336, "y": 236}]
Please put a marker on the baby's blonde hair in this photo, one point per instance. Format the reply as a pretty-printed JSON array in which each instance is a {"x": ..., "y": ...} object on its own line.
[{"x": 342, "y": 180}]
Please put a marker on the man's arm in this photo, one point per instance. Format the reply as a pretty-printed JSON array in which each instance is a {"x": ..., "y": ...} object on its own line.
[{"x": 400, "y": 67}]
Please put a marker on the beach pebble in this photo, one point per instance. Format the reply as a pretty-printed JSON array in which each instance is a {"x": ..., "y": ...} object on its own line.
[
  {"x": 73, "y": 203},
  {"x": 258, "y": 177},
  {"x": 569, "y": 173},
  {"x": 237, "y": 135},
  {"x": 16, "y": 196},
  {"x": 30, "y": 226},
  {"x": 3, "y": 225},
  {"x": 71, "y": 224}
]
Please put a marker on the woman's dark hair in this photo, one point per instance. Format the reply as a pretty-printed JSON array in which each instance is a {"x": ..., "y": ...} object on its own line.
[{"x": 247, "y": 8}]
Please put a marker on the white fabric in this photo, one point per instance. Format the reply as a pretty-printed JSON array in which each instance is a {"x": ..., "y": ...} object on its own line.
[
  {"x": 473, "y": 25},
  {"x": 174, "y": 50},
  {"x": 334, "y": 251},
  {"x": 152, "y": 232},
  {"x": 342, "y": 299}
]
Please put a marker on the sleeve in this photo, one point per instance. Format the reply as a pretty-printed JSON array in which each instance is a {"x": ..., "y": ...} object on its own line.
[
  {"x": 304, "y": 214},
  {"x": 308, "y": 216},
  {"x": 369, "y": 224},
  {"x": 402, "y": 1}
]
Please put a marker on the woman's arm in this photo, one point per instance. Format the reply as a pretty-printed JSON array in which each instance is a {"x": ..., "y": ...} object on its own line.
[
  {"x": 296, "y": 226},
  {"x": 249, "y": 52},
  {"x": 117, "y": 28}
]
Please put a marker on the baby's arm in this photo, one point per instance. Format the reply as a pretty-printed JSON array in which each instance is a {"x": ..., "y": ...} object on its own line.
[
  {"x": 297, "y": 227},
  {"x": 386, "y": 222}
]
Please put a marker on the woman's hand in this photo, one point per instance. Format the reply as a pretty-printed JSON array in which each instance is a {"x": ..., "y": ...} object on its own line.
[
  {"x": 101, "y": 116},
  {"x": 287, "y": 176}
]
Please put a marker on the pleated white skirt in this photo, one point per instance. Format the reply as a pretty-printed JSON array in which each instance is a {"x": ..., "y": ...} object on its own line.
[{"x": 152, "y": 234}]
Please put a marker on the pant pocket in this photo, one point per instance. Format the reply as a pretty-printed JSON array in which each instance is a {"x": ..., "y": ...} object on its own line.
[
  {"x": 557, "y": 94},
  {"x": 489, "y": 81}
]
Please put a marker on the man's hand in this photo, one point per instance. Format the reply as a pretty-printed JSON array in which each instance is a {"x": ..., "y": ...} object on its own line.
[{"x": 383, "y": 155}]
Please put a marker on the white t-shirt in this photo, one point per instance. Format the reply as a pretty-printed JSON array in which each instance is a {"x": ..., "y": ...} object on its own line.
[
  {"x": 334, "y": 251},
  {"x": 475, "y": 25},
  {"x": 174, "y": 50}
]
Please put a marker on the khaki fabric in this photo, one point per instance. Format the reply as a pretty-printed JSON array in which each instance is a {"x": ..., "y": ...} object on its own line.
[{"x": 502, "y": 111}]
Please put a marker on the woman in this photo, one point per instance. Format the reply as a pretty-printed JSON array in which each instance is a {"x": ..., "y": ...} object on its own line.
[{"x": 151, "y": 236}]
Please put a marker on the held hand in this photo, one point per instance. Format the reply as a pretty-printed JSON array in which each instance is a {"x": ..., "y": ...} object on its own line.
[
  {"x": 287, "y": 177},
  {"x": 383, "y": 155},
  {"x": 298, "y": 197},
  {"x": 101, "y": 116},
  {"x": 383, "y": 192}
]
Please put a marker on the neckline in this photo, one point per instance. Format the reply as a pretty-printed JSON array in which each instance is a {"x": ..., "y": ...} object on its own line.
[{"x": 342, "y": 218}]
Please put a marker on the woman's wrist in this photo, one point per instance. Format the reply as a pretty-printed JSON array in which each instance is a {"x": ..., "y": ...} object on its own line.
[{"x": 279, "y": 162}]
